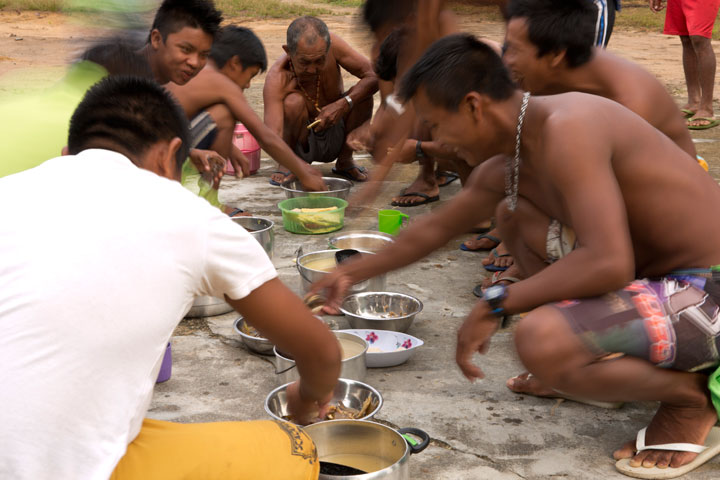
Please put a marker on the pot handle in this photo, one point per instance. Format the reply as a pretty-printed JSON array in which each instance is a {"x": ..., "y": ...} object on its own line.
[{"x": 412, "y": 443}]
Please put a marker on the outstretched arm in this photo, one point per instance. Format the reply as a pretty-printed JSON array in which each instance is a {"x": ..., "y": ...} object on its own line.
[
  {"x": 281, "y": 317},
  {"x": 475, "y": 203}
]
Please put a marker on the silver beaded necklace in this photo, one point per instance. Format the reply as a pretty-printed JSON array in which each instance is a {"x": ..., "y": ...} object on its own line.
[{"x": 512, "y": 169}]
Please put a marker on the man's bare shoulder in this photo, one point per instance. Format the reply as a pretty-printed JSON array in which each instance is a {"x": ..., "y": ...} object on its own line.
[
  {"x": 279, "y": 76},
  {"x": 630, "y": 84}
]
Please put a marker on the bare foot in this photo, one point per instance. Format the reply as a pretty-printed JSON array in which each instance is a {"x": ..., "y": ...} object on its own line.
[
  {"x": 529, "y": 384},
  {"x": 349, "y": 169},
  {"x": 672, "y": 424},
  {"x": 420, "y": 185},
  {"x": 698, "y": 119},
  {"x": 500, "y": 257},
  {"x": 482, "y": 242},
  {"x": 504, "y": 278}
]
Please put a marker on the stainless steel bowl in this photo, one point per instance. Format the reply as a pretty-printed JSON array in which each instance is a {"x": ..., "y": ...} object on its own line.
[
  {"x": 308, "y": 276},
  {"x": 337, "y": 187},
  {"x": 381, "y": 310},
  {"x": 259, "y": 345},
  {"x": 352, "y": 368},
  {"x": 351, "y": 393},
  {"x": 261, "y": 229},
  {"x": 365, "y": 240},
  {"x": 206, "y": 306}
]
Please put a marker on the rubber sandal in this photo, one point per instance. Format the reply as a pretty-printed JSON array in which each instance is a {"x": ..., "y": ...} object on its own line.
[
  {"x": 425, "y": 199},
  {"x": 687, "y": 113},
  {"x": 713, "y": 123},
  {"x": 495, "y": 279},
  {"x": 346, "y": 173},
  {"x": 705, "y": 453},
  {"x": 275, "y": 183},
  {"x": 494, "y": 268},
  {"x": 492, "y": 238},
  {"x": 449, "y": 177}
]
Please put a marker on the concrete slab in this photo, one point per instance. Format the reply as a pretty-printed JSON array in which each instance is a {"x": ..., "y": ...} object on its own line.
[{"x": 479, "y": 430}]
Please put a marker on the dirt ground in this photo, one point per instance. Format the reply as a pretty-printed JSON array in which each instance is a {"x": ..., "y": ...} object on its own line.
[{"x": 35, "y": 47}]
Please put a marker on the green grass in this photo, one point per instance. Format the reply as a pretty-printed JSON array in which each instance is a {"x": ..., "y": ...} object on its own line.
[
  {"x": 342, "y": 3},
  {"x": 267, "y": 9},
  {"x": 43, "y": 5}
]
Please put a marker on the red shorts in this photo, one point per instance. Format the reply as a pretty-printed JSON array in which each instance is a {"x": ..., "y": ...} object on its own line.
[{"x": 691, "y": 17}]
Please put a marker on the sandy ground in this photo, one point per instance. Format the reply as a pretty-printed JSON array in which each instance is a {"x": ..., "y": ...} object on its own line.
[{"x": 479, "y": 431}]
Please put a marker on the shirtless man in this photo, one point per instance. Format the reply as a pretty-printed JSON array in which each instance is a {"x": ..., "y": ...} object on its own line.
[
  {"x": 545, "y": 56},
  {"x": 637, "y": 211},
  {"x": 306, "y": 102},
  {"x": 237, "y": 55}
]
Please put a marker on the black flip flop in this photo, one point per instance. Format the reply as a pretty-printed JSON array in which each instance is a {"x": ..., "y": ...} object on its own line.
[
  {"x": 346, "y": 173},
  {"x": 492, "y": 238},
  {"x": 449, "y": 177},
  {"x": 425, "y": 199}
]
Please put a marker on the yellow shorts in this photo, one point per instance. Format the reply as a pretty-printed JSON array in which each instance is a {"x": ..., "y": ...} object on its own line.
[{"x": 266, "y": 450}]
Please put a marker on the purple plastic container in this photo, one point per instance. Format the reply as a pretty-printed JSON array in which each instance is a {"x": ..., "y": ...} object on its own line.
[{"x": 166, "y": 367}]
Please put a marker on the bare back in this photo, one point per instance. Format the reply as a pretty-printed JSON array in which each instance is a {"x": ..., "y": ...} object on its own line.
[{"x": 621, "y": 179}]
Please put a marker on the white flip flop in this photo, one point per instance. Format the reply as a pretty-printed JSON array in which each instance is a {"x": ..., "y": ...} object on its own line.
[{"x": 705, "y": 453}]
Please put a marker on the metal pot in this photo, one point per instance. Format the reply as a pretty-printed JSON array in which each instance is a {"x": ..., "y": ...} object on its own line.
[
  {"x": 261, "y": 229},
  {"x": 368, "y": 446},
  {"x": 337, "y": 187},
  {"x": 308, "y": 276},
  {"x": 353, "y": 368}
]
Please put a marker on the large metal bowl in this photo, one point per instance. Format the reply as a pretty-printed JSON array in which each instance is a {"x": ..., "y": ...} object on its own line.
[
  {"x": 261, "y": 229},
  {"x": 337, "y": 187},
  {"x": 206, "y": 306},
  {"x": 351, "y": 393},
  {"x": 364, "y": 240},
  {"x": 259, "y": 345},
  {"x": 308, "y": 275},
  {"x": 381, "y": 310}
]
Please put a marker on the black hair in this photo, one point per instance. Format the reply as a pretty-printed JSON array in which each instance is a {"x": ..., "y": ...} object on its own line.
[
  {"x": 378, "y": 13},
  {"x": 174, "y": 15},
  {"x": 300, "y": 25},
  {"x": 454, "y": 66},
  {"x": 557, "y": 25},
  {"x": 387, "y": 60},
  {"x": 131, "y": 112},
  {"x": 233, "y": 40},
  {"x": 119, "y": 57}
]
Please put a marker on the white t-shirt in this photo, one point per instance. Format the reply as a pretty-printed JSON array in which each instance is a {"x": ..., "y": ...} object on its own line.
[{"x": 100, "y": 261}]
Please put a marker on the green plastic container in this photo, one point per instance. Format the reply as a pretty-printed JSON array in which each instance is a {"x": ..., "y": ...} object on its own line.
[{"x": 313, "y": 223}]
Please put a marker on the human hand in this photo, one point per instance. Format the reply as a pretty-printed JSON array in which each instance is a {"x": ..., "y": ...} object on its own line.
[
  {"x": 312, "y": 180},
  {"x": 210, "y": 164},
  {"x": 656, "y": 5},
  {"x": 334, "y": 287},
  {"x": 304, "y": 411},
  {"x": 331, "y": 114},
  {"x": 240, "y": 163},
  {"x": 407, "y": 153},
  {"x": 474, "y": 336}
]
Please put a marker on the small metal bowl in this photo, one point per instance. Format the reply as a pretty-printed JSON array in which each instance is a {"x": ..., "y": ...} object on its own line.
[
  {"x": 364, "y": 240},
  {"x": 259, "y": 345},
  {"x": 381, "y": 310},
  {"x": 337, "y": 187},
  {"x": 351, "y": 393}
]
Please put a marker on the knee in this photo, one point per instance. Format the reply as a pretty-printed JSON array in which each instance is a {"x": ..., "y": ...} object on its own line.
[
  {"x": 294, "y": 106},
  {"x": 700, "y": 43},
  {"x": 505, "y": 219},
  {"x": 538, "y": 339}
]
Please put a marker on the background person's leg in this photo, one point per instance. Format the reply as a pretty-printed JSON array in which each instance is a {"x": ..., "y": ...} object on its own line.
[
  {"x": 356, "y": 118},
  {"x": 706, "y": 65},
  {"x": 254, "y": 450},
  {"x": 692, "y": 77},
  {"x": 295, "y": 121}
]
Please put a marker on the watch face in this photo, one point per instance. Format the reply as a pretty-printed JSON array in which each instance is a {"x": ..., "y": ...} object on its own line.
[{"x": 494, "y": 292}]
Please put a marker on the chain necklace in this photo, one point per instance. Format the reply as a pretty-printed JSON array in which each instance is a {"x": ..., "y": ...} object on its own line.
[
  {"x": 512, "y": 170},
  {"x": 316, "y": 101}
]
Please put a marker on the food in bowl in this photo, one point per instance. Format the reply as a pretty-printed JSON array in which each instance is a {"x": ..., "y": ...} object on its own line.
[
  {"x": 313, "y": 215},
  {"x": 339, "y": 411}
]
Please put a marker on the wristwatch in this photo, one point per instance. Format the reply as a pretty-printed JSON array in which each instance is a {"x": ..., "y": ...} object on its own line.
[
  {"x": 418, "y": 150},
  {"x": 494, "y": 296}
]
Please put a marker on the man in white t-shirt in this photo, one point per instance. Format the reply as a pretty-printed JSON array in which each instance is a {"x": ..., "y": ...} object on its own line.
[{"x": 91, "y": 291}]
